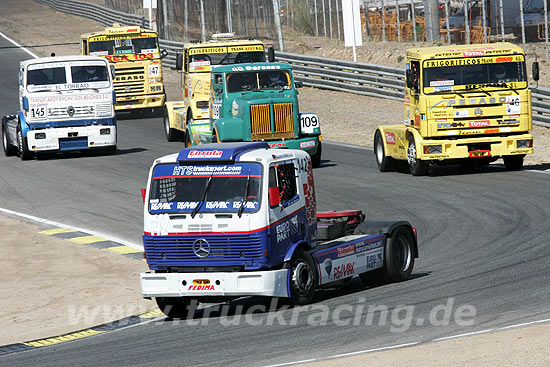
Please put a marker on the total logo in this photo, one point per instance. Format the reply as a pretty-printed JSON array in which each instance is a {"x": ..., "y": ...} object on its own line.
[
  {"x": 483, "y": 123},
  {"x": 205, "y": 154},
  {"x": 473, "y": 53}
]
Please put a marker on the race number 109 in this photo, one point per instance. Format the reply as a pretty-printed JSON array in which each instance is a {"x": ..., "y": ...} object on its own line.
[{"x": 308, "y": 122}]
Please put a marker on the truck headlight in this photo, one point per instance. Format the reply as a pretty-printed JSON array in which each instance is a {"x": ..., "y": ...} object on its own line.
[
  {"x": 40, "y": 136},
  {"x": 104, "y": 131},
  {"x": 433, "y": 149},
  {"x": 202, "y": 104},
  {"x": 527, "y": 143}
]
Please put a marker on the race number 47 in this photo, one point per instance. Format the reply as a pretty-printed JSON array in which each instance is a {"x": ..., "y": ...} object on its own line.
[{"x": 308, "y": 122}]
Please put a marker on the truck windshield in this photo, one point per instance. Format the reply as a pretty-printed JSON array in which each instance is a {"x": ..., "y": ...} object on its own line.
[
  {"x": 145, "y": 45},
  {"x": 46, "y": 76},
  {"x": 89, "y": 73},
  {"x": 53, "y": 76},
  {"x": 179, "y": 189},
  {"x": 489, "y": 75},
  {"x": 258, "y": 80},
  {"x": 202, "y": 58}
]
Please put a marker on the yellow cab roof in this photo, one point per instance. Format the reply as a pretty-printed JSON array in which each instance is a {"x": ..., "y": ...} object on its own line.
[
  {"x": 223, "y": 43},
  {"x": 117, "y": 29},
  {"x": 489, "y": 49}
]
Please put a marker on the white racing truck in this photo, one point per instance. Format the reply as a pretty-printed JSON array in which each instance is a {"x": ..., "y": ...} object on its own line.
[
  {"x": 228, "y": 220},
  {"x": 65, "y": 103}
]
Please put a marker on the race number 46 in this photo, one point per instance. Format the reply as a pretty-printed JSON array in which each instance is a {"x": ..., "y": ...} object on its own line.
[
  {"x": 513, "y": 105},
  {"x": 308, "y": 122}
]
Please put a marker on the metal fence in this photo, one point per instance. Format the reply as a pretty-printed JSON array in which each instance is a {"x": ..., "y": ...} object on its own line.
[{"x": 319, "y": 72}]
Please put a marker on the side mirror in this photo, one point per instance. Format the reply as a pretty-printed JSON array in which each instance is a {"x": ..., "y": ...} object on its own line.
[
  {"x": 25, "y": 103},
  {"x": 409, "y": 79},
  {"x": 535, "y": 70},
  {"x": 179, "y": 61},
  {"x": 298, "y": 84},
  {"x": 271, "y": 54},
  {"x": 163, "y": 54},
  {"x": 274, "y": 199},
  {"x": 143, "y": 191},
  {"x": 113, "y": 72}
]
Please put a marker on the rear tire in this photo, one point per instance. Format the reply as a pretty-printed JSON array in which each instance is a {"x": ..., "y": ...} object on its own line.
[
  {"x": 187, "y": 140},
  {"x": 9, "y": 150},
  {"x": 171, "y": 134},
  {"x": 303, "y": 277},
  {"x": 173, "y": 307},
  {"x": 513, "y": 162},
  {"x": 417, "y": 167},
  {"x": 24, "y": 153},
  {"x": 384, "y": 162},
  {"x": 316, "y": 158}
]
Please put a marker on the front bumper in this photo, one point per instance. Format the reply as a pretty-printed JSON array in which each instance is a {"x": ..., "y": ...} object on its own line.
[
  {"x": 139, "y": 101},
  {"x": 71, "y": 138},
  {"x": 497, "y": 146},
  {"x": 308, "y": 144},
  {"x": 272, "y": 283}
]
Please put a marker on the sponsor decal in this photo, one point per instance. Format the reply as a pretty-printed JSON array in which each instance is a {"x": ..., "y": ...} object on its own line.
[
  {"x": 491, "y": 131},
  {"x": 443, "y": 89},
  {"x": 344, "y": 270},
  {"x": 504, "y": 59},
  {"x": 440, "y": 120},
  {"x": 345, "y": 251},
  {"x": 277, "y": 145},
  {"x": 390, "y": 138},
  {"x": 483, "y": 123},
  {"x": 307, "y": 144},
  {"x": 462, "y": 113},
  {"x": 161, "y": 206},
  {"x": 439, "y": 83},
  {"x": 205, "y": 154},
  {"x": 473, "y": 53},
  {"x": 201, "y": 287}
]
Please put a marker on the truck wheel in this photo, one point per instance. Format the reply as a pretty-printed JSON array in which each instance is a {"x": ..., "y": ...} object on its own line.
[
  {"x": 398, "y": 262},
  {"x": 24, "y": 153},
  {"x": 171, "y": 134},
  {"x": 385, "y": 163},
  {"x": 9, "y": 149},
  {"x": 513, "y": 162},
  {"x": 303, "y": 277},
  {"x": 417, "y": 167},
  {"x": 173, "y": 307},
  {"x": 316, "y": 158},
  {"x": 187, "y": 140},
  {"x": 215, "y": 137}
]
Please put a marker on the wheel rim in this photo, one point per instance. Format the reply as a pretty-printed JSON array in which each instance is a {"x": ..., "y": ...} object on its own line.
[
  {"x": 411, "y": 156},
  {"x": 20, "y": 142},
  {"x": 302, "y": 277},
  {"x": 402, "y": 254},
  {"x": 379, "y": 149},
  {"x": 4, "y": 139}
]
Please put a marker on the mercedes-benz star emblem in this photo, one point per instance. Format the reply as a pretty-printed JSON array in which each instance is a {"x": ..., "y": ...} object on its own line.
[
  {"x": 70, "y": 111},
  {"x": 201, "y": 248}
]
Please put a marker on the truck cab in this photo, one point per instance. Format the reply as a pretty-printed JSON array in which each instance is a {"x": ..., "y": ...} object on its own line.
[
  {"x": 228, "y": 220},
  {"x": 463, "y": 104},
  {"x": 65, "y": 103},
  {"x": 135, "y": 54}
]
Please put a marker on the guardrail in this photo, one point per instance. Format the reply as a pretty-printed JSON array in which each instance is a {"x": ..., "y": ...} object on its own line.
[{"x": 318, "y": 72}]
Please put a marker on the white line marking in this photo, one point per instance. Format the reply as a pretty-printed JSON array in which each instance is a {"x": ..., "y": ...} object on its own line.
[
  {"x": 374, "y": 350},
  {"x": 328, "y": 142},
  {"x": 293, "y": 363},
  {"x": 18, "y": 45},
  {"x": 462, "y": 335},
  {"x": 538, "y": 171},
  {"x": 525, "y": 324},
  {"x": 57, "y": 224}
]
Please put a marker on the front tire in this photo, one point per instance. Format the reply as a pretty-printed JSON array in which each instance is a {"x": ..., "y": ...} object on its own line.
[
  {"x": 9, "y": 150},
  {"x": 316, "y": 158},
  {"x": 513, "y": 162},
  {"x": 173, "y": 307},
  {"x": 171, "y": 134},
  {"x": 417, "y": 167},
  {"x": 303, "y": 277},
  {"x": 24, "y": 153},
  {"x": 384, "y": 162}
]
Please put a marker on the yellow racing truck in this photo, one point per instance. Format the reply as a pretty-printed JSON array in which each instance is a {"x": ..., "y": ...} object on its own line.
[
  {"x": 135, "y": 54},
  {"x": 467, "y": 104},
  {"x": 196, "y": 62}
]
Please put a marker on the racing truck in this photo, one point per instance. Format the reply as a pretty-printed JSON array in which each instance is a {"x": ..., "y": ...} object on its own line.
[
  {"x": 65, "y": 103},
  {"x": 229, "y": 220},
  {"x": 465, "y": 104},
  {"x": 256, "y": 102},
  {"x": 135, "y": 54}
]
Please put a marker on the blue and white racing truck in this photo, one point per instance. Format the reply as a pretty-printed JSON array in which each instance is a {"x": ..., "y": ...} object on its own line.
[
  {"x": 65, "y": 103},
  {"x": 229, "y": 220}
]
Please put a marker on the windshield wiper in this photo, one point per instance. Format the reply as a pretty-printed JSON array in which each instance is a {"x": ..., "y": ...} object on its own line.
[
  {"x": 479, "y": 89},
  {"x": 197, "y": 208},
  {"x": 245, "y": 198}
]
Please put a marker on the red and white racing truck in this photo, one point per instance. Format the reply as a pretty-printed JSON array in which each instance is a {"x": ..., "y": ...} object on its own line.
[{"x": 229, "y": 220}]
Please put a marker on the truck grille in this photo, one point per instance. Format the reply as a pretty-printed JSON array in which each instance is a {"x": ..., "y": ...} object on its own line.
[
  {"x": 129, "y": 81},
  {"x": 63, "y": 112},
  {"x": 263, "y": 129},
  {"x": 224, "y": 250}
]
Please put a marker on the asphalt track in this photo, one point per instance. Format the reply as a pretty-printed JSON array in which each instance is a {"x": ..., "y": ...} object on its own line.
[{"x": 483, "y": 243}]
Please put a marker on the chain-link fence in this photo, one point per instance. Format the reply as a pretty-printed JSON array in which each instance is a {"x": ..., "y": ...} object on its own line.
[{"x": 447, "y": 21}]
